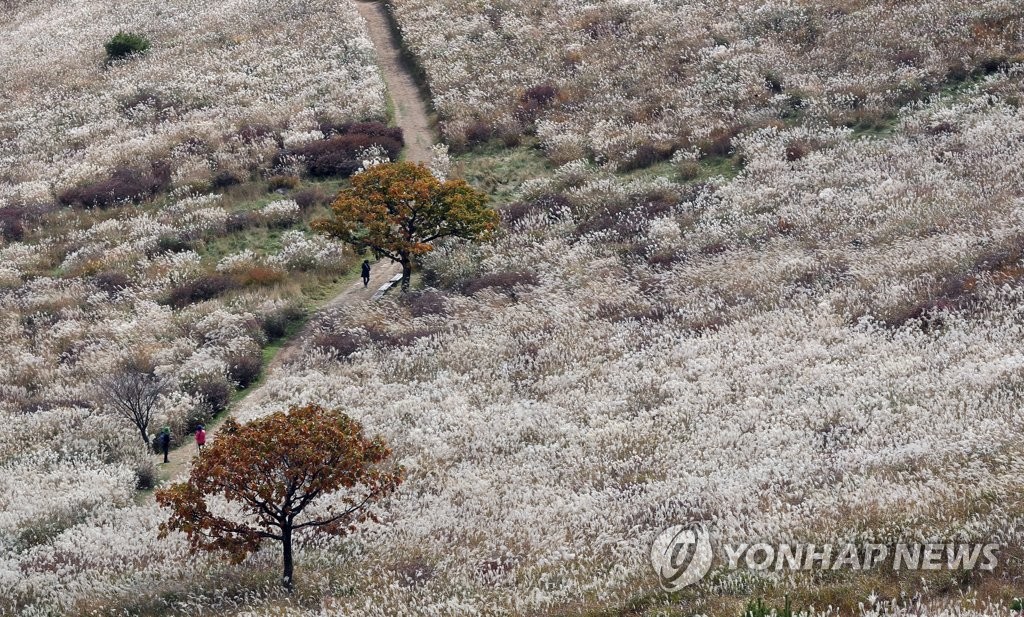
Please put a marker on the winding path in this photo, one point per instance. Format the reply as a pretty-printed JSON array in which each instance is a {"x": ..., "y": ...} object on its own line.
[
  {"x": 411, "y": 115},
  {"x": 410, "y": 108}
]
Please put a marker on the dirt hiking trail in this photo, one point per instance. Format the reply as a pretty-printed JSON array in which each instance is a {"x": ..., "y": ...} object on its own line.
[
  {"x": 409, "y": 106},
  {"x": 411, "y": 115}
]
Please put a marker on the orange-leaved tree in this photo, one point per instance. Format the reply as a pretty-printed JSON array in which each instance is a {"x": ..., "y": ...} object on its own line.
[
  {"x": 270, "y": 472},
  {"x": 398, "y": 209}
]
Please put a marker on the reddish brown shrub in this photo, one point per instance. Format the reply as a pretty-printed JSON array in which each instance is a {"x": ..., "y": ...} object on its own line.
[
  {"x": 259, "y": 276},
  {"x": 125, "y": 184},
  {"x": 12, "y": 223},
  {"x": 426, "y": 303},
  {"x": 310, "y": 197},
  {"x": 240, "y": 221},
  {"x": 256, "y": 131},
  {"x": 478, "y": 133},
  {"x": 534, "y": 100},
  {"x": 340, "y": 155},
  {"x": 227, "y": 178},
  {"x": 203, "y": 288},
  {"x": 111, "y": 281},
  {"x": 245, "y": 369},
  {"x": 338, "y": 345},
  {"x": 397, "y": 339},
  {"x": 551, "y": 203},
  {"x": 502, "y": 281}
]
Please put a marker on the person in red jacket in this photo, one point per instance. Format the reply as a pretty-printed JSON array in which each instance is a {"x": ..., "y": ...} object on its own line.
[{"x": 200, "y": 437}]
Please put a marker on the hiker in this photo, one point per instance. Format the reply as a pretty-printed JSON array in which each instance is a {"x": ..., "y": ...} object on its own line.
[
  {"x": 164, "y": 439},
  {"x": 200, "y": 438},
  {"x": 366, "y": 272}
]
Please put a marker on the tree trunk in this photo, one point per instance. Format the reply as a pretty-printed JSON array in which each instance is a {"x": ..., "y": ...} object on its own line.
[
  {"x": 289, "y": 567},
  {"x": 406, "y": 272},
  {"x": 145, "y": 435}
]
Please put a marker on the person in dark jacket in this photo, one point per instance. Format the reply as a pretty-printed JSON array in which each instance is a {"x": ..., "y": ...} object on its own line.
[
  {"x": 164, "y": 439},
  {"x": 366, "y": 272}
]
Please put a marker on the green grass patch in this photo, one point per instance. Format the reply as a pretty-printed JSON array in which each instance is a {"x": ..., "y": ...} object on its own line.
[
  {"x": 499, "y": 171},
  {"x": 713, "y": 166}
]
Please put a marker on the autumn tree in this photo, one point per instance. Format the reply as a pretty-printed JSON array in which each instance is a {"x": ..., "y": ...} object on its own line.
[
  {"x": 398, "y": 209},
  {"x": 274, "y": 475},
  {"x": 132, "y": 391}
]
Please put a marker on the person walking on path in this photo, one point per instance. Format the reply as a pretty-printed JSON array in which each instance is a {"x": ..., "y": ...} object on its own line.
[
  {"x": 164, "y": 440},
  {"x": 200, "y": 438},
  {"x": 366, "y": 272}
]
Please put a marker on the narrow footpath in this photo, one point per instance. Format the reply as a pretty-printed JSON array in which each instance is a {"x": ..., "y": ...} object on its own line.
[{"x": 410, "y": 110}]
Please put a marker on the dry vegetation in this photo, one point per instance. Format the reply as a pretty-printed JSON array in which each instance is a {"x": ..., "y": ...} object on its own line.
[
  {"x": 630, "y": 82},
  {"x": 792, "y": 306}
]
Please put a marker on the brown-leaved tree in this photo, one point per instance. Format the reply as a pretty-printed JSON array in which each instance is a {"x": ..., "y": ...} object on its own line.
[
  {"x": 271, "y": 472},
  {"x": 398, "y": 209}
]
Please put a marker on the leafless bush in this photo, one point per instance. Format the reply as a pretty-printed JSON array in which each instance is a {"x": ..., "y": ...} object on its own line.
[
  {"x": 340, "y": 153},
  {"x": 112, "y": 281},
  {"x": 505, "y": 282},
  {"x": 203, "y": 288},
  {"x": 245, "y": 368},
  {"x": 310, "y": 197},
  {"x": 125, "y": 184},
  {"x": 425, "y": 303},
  {"x": 338, "y": 345},
  {"x": 132, "y": 392}
]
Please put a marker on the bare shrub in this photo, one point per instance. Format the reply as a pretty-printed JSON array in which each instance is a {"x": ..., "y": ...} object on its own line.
[
  {"x": 132, "y": 392},
  {"x": 205, "y": 287},
  {"x": 240, "y": 221},
  {"x": 111, "y": 281},
  {"x": 256, "y": 131},
  {"x": 373, "y": 129},
  {"x": 172, "y": 243},
  {"x": 396, "y": 339},
  {"x": 689, "y": 170},
  {"x": 125, "y": 184},
  {"x": 276, "y": 324},
  {"x": 647, "y": 155},
  {"x": 310, "y": 197},
  {"x": 340, "y": 153},
  {"x": 227, "y": 177},
  {"x": 426, "y": 303},
  {"x": 535, "y": 100},
  {"x": 625, "y": 221},
  {"x": 798, "y": 149},
  {"x": 145, "y": 475},
  {"x": 505, "y": 282},
  {"x": 12, "y": 223},
  {"x": 551, "y": 203},
  {"x": 338, "y": 345},
  {"x": 245, "y": 368},
  {"x": 719, "y": 142},
  {"x": 215, "y": 393},
  {"x": 478, "y": 132}
]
